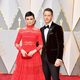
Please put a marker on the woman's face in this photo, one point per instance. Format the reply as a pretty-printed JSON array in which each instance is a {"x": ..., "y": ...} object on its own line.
[{"x": 30, "y": 20}]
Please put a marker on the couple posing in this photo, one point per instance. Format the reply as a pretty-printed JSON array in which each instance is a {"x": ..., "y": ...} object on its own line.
[{"x": 29, "y": 64}]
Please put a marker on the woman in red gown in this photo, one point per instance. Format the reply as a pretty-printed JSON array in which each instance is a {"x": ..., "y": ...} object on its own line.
[{"x": 28, "y": 62}]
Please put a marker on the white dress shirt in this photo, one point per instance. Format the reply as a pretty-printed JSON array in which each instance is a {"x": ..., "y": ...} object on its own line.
[{"x": 46, "y": 31}]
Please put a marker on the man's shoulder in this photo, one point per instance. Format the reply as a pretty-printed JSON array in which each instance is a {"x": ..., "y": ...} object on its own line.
[
  {"x": 42, "y": 28},
  {"x": 55, "y": 24}
]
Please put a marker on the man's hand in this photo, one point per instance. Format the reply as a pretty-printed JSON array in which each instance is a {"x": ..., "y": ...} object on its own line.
[
  {"x": 32, "y": 52},
  {"x": 58, "y": 63},
  {"x": 23, "y": 52}
]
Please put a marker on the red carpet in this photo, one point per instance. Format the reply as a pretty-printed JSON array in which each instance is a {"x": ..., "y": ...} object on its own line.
[{"x": 8, "y": 77}]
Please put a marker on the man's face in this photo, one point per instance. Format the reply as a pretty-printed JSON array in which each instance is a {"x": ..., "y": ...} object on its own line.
[{"x": 47, "y": 17}]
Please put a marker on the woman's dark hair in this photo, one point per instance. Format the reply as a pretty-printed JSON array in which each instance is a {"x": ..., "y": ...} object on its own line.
[
  {"x": 48, "y": 9},
  {"x": 29, "y": 13}
]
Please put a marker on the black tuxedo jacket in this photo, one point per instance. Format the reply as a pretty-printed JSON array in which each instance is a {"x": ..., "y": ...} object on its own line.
[{"x": 53, "y": 48}]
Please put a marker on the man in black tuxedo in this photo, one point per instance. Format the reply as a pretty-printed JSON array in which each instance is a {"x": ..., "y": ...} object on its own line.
[{"x": 52, "y": 52}]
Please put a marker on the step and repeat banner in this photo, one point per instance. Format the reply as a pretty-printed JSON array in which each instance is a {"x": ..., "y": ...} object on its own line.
[{"x": 66, "y": 14}]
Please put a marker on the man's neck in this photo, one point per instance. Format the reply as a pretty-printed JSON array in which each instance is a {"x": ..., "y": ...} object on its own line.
[{"x": 48, "y": 23}]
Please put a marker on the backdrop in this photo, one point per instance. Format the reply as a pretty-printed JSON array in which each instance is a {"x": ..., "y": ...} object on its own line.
[{"x": 66, "y": 13}]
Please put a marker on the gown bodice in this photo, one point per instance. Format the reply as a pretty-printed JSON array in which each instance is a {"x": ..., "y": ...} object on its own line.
[{"x": 28, "y": 37}]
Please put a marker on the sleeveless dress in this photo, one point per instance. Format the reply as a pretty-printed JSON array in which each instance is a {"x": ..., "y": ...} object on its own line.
[{"x": 28, "y": 68}]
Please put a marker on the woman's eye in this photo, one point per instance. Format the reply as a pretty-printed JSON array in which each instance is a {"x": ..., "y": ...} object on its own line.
[
  {"x": 27, "y": 19},
  {"x": 31, "y": 19}
]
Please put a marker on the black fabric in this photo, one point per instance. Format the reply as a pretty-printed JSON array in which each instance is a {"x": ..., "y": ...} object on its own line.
[{"x": 50, "y": 70}]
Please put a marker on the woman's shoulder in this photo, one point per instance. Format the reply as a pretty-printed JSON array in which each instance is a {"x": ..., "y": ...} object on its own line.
[
  {"x": 36, "y": 29},
  {"x": 22, "y": 29}
]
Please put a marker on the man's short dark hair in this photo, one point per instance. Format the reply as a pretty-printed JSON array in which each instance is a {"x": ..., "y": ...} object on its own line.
[
  {"x": 29, "y": 13},
  {"x": 49, "y": 9}
]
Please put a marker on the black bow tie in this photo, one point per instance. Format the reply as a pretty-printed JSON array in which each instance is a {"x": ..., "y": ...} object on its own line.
[{"x": 46, "y": 26}]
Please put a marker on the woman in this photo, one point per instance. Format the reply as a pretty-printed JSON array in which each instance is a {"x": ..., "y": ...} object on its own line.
[{"x": 28, "y": 62}]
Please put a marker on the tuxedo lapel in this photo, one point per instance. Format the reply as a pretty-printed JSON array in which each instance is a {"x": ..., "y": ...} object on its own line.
[
  {"x": 43, "y": 35},
  {"x": 50, "y": 30}
]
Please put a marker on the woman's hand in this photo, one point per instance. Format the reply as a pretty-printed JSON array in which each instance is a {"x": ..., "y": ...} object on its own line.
[
  {"x": 23, "y": 52},
  {"x": 32, "y": 52}
]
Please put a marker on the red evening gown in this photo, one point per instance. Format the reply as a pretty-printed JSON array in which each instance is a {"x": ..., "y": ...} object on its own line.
[{"x": 28, "y": 68}]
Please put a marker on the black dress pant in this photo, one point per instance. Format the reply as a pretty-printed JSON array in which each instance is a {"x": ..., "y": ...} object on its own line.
[{"x": 49, "y": 69}]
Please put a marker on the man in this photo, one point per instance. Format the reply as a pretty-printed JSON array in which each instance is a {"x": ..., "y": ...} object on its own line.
[{"x": 52, "y": 52}]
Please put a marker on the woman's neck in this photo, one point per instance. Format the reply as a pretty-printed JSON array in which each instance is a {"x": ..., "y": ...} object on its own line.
[{"x": 30, "y": 26}]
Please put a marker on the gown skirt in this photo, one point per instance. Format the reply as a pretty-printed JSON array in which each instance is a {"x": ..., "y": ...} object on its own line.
[{"x": 28, "y": 68}]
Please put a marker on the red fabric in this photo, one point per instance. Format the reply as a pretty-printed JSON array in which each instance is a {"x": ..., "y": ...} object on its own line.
[{"x": 28, "y": 68}]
